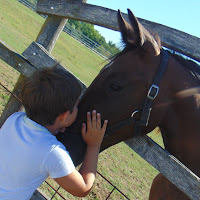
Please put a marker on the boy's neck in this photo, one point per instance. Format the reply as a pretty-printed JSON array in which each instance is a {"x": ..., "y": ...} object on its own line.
[{"x": 52, "y": 129}]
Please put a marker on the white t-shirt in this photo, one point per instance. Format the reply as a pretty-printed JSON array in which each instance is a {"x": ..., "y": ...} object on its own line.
[{"x": 29, "y": 153}]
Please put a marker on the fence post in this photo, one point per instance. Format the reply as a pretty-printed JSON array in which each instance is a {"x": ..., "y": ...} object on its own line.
[{"x": 50, "y": 32}]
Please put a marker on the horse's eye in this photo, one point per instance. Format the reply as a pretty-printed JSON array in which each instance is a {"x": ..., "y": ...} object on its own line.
[{"x": 115, "y": 87}]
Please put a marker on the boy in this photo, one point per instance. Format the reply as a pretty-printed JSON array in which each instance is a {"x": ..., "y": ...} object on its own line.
[{"x": 29, "y": 151}]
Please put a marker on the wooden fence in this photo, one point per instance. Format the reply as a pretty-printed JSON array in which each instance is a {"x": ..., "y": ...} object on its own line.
[
  {"x": 77, "y": 35},
  {"x": 39, "y": 54}
]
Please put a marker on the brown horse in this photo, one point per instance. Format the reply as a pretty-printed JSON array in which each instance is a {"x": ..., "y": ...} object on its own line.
[{"x": 128, "y": 86}]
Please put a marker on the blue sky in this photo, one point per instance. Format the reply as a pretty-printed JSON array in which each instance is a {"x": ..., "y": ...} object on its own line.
[{"x": 183, "y": 15}]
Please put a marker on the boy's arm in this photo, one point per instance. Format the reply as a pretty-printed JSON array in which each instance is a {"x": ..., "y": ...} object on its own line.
[{"x": 80, "y": 183}]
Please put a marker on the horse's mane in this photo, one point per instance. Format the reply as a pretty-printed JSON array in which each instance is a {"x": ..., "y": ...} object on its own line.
[{"x": 190, "y": 65}]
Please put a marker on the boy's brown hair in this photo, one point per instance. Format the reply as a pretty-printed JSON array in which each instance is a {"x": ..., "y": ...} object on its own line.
[{"x": 49, "y": 92}]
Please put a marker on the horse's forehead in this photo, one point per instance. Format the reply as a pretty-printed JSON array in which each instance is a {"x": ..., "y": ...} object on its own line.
[
  {"x": 126, "y": 62},
  {"x": 114, "y": 65}
]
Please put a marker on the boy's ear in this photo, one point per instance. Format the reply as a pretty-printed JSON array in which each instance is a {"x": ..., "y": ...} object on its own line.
[{"x": 63, "y": 116}]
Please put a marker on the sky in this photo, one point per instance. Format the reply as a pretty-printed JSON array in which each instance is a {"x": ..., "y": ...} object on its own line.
[{"x": 183, "y": 15}]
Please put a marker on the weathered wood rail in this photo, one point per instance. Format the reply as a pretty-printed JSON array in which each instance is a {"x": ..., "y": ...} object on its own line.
[
  {"x": 37, "y": 55},
  {"x": 171, "y": 38},
  {"x": 167, "y": 164}
]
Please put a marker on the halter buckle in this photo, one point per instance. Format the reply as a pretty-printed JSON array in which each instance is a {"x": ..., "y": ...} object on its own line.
[
  {"x": 153, "y": 92},
  {"x": 134, "y": 112}
]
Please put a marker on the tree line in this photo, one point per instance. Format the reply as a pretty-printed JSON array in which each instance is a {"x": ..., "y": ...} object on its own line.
[{"x": 89, "y": 31}]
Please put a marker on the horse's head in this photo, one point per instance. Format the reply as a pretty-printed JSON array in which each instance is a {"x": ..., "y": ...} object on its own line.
[{"x": 122, "y": 85}]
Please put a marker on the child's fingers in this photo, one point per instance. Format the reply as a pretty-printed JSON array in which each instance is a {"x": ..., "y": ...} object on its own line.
[
  {"x": 83, "y": 129},
  {"x": 104, "y": 126},
  {"x": 89, "y": 120},
  {"x": 94, "y": 118},
  {"x": 98, "y": 120}
]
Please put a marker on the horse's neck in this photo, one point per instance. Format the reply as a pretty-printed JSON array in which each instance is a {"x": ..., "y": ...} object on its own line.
[{"x": 181, "y": 124}]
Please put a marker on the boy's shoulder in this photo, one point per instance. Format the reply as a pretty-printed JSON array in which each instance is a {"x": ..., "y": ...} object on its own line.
[
  {"x": 29, "y": 132},
  {"x": 16, "y": 115},
  {"x": 12, "y": 118}
]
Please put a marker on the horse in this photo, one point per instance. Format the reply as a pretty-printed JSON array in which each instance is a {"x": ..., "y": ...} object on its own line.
[{"x": 157, "y": 88}]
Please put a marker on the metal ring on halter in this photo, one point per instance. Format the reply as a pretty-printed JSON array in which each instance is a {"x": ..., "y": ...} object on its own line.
[{"x": 134, "y": 112}]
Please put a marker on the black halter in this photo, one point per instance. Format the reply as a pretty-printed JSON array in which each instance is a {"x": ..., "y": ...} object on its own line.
[{"x": 147, "y": 105}]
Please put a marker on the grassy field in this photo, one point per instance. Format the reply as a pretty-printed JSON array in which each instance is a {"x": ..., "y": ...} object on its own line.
[{"x": 19, "y": 26}]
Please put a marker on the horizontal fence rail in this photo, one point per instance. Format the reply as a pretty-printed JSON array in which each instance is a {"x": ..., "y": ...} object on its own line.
[
  {"x": 171, "y": 38},
  {"x": 167, "y": 165}
]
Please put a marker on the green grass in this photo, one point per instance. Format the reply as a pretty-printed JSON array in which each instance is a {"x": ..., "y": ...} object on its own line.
[{"x": 19, "y": 26}]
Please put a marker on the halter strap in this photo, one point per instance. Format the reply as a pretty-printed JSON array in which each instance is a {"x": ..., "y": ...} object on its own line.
[
  {"x": 152, "y": 94},
  {"x": 147, "y": 105}
]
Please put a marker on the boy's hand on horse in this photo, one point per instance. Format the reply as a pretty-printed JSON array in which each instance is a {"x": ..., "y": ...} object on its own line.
[{"x": 93, "y": 134}]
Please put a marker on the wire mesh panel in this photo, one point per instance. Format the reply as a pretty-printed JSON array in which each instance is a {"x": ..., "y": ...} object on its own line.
[
  {"x": 8, "y": 78},
  {"x": 110, "y": 191}
]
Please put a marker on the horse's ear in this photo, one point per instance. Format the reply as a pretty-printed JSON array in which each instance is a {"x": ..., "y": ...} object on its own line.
[
  {"x": 130, "y": 34},
  {"x": 149, "y": 43},
  {"x": 136, "y": 34}
]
